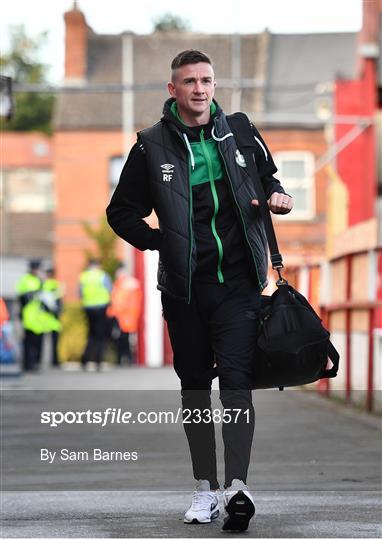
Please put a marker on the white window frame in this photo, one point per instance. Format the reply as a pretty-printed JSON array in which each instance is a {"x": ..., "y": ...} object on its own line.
[
  {"x": 308, "y": 182},
  {"x": 37, "y": 197},
  {"x": 113, "y": 182}
]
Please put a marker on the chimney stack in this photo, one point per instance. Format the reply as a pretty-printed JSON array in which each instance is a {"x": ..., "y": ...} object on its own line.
[
  {"x": 76, "y": 43},
  {"x": 368, "y": 36}
]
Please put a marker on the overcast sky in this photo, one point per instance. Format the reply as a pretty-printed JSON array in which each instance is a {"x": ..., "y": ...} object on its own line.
[{"x": 214, "y": 16}]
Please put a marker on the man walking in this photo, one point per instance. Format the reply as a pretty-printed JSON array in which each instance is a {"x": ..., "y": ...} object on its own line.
[{"x": 212, "y": 267}]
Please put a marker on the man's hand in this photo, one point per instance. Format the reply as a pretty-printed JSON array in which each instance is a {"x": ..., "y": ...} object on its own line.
[{"x": 279, "y": 203}]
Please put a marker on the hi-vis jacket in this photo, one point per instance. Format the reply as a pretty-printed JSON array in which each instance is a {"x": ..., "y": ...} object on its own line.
[
  {"x": 94, "y": 288},
  {"x": 35, "y": 313}
]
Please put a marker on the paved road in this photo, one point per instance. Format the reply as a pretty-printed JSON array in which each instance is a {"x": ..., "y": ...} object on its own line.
[{"x": 315, "y": 469}]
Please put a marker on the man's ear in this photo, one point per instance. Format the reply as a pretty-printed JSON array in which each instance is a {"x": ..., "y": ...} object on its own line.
[{"x": 171, "y": 89}]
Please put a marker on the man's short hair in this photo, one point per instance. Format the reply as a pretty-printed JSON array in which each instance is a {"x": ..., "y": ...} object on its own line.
[
  {"x": 34, "y": 264},
  {"x": 190, "y": 56}
]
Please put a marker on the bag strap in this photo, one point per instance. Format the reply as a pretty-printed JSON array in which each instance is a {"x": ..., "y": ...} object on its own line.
[
  {"x": 244, "y": 137},
  {"x": 335, "y": 358}
]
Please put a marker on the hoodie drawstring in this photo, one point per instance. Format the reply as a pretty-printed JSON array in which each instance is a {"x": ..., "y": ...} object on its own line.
[
  {"x": 190, "y": 151},
  {"x": 222, "y": 138},
  {"x": 231, "y": 135},
  {"x": 263, "y": 147}
]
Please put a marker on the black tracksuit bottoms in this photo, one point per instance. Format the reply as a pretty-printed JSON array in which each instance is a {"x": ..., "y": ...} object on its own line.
[
  {"x": 219, "y": 328},
  {"x": 97, "y": 335},
  {"x": 32, "y": 350}
]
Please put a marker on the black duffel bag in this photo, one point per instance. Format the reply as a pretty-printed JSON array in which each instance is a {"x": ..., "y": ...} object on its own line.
[{"x": 293, "y": 347}]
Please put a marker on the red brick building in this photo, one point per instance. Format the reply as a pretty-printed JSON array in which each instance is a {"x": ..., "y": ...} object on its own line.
[
  {"x": 351, "y": 278},
  {"x": 116, "y": 84},
  {"x": 27, "y": 204}
]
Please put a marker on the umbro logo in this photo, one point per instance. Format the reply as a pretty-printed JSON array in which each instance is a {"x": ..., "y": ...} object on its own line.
[
  {"x": 167, "y": 171},
  {"x": 167, "y": 167}
]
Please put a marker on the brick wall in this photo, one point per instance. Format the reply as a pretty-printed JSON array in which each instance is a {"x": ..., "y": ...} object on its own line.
[{"x": 81, "y": 170}]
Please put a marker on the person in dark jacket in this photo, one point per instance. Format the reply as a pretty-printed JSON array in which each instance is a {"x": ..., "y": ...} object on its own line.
[{"x": 212, "y": 268}]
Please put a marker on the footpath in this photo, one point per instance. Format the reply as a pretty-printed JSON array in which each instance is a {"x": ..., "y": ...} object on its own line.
[{"x": 315, "y": 468}]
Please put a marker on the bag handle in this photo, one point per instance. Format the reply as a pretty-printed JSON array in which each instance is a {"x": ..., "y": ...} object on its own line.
[
  {"x": 241, "y": 127},
  {"x": 335, "y": 358}
]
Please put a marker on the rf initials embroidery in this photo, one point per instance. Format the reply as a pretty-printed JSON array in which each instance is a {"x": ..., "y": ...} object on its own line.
[{"x": 167, "y": 171}]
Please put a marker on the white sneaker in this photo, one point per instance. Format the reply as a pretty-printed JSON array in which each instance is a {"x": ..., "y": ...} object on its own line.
[
  {"x": 239, "y": 506},
  {"x": 90, "y": 367},
  {"x": 104, "y": 366},
  {"x": 204, "y": 506}
]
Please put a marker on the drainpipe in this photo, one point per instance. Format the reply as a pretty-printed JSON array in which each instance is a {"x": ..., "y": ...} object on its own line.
[
  {"x": 348, "y": 327},
  {"x": 370, "y": 367}
]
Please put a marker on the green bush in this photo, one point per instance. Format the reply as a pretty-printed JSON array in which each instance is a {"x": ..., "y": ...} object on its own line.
[
  {"x": 73, "y": 337},
  {"x": 74, "y": 334},
  {"x": 105, "y": 241}
]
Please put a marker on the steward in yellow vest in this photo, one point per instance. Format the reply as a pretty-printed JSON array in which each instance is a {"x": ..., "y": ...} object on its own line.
[
  {"x": 95, "y": 289},
  {"x": 32, "y": 314}
]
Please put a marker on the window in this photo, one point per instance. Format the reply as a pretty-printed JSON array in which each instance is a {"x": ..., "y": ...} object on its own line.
[
  {"x": 115, "y": 168},
  {"x": 296, "y": 173},
  {"x": 28, "y": 190}
]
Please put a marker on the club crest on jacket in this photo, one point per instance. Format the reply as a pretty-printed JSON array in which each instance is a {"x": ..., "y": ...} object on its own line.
[{"x": 239, "y": 158}]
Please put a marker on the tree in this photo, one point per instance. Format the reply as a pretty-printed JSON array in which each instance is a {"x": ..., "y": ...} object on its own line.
[
  {"x": 105, "y": 241},
  {"x": 171, "y": 23},
  {"x": 33, "y": 111}
]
